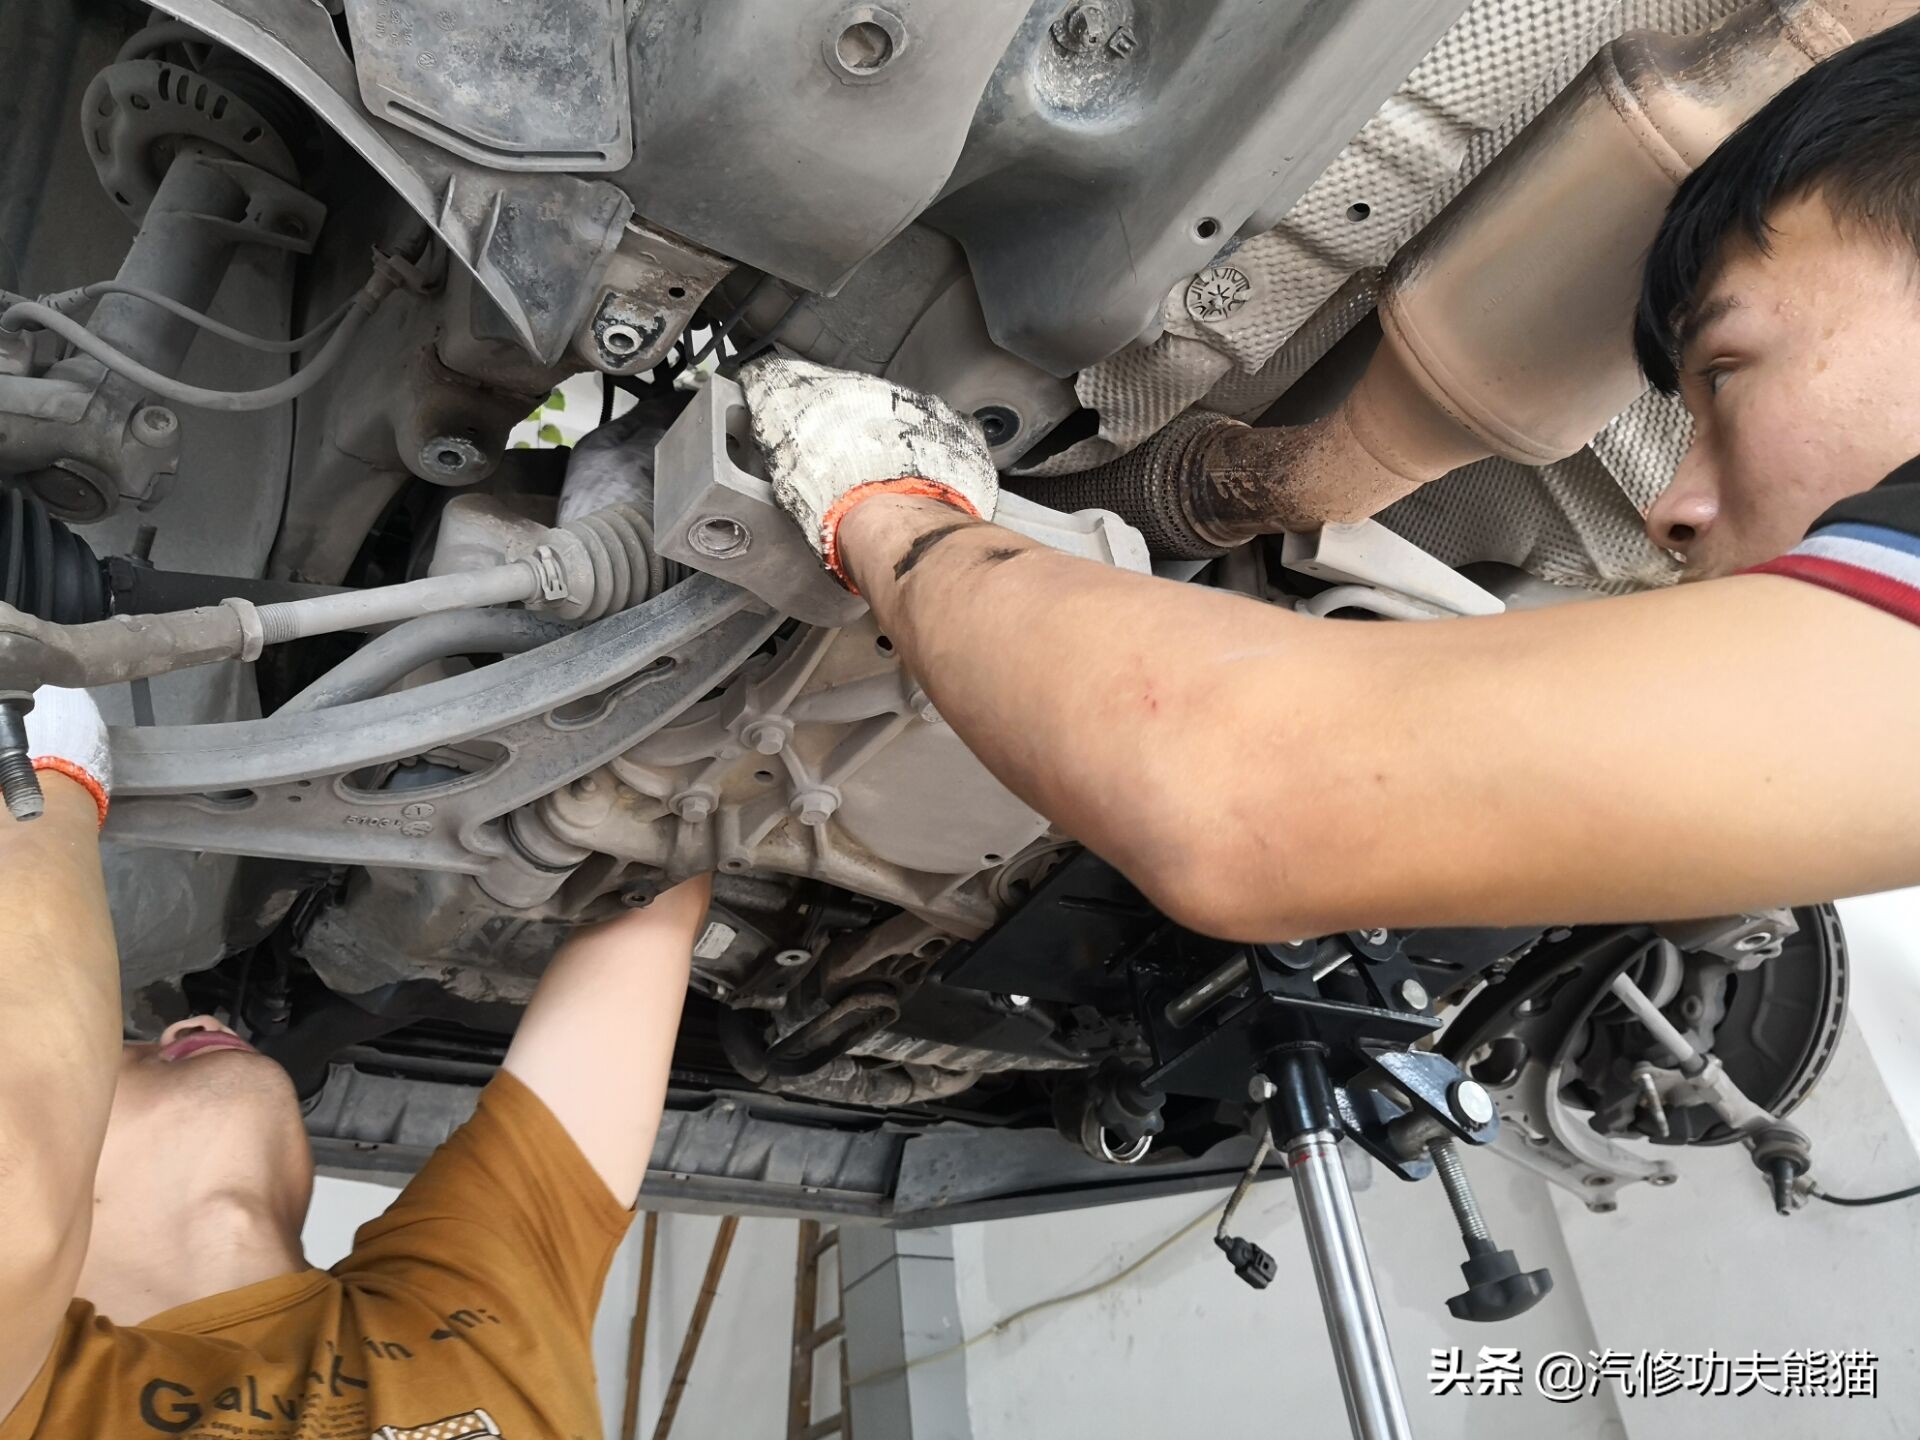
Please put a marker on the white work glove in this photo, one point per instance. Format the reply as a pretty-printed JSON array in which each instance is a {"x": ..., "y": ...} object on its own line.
[
  {"x": 66, "y": 734},
  {"x": 833, "y": 438}
]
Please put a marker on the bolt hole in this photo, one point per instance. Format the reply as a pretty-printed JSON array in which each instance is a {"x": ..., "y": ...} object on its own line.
[
  {"x": 305, "y": 784},
  {"x": 294, "y": 798},
  {"x": 992, "y": 859},
  {"x": 676, "y": 292},
  {"x": 884, "y": 645},
  {"x": 449, "y": 459},
  {"x": 720, "y": 536},
  {"x": 1206, "y": 228},
  {"x": 733, "y": 866},
  {"x": 139, "y": 102},
  {"x": 765, "y": 777},
  {"x": 997, "y": 424},
  {"x": 864, "y": 47},
  {"x": 1359, "y": 211}
]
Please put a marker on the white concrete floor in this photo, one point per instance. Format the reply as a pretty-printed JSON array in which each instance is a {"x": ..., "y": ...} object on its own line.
[{"x": 1184, "y": 1348}]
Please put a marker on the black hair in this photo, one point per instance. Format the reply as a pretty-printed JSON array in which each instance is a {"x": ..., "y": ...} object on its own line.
[{"x": 1848, "y": 130}]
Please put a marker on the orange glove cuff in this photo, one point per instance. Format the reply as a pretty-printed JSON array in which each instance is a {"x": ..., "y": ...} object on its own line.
[
  {"x": 904, "y": 485},
  {"x": 76, "y": 773}
]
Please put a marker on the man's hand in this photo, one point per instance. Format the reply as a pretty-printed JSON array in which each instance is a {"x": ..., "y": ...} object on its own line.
[
  {"x": 833, "y": 439},
  {"x": 597, "y": 1041},
  {"x": 60, "y": 1008},
  {"x": 66, "y": 735}
]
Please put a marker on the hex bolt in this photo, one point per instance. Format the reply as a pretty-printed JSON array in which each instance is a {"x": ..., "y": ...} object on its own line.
[
  {"x": 768, "y": 737},
  {"x": 1260, "y": 1089},
  {"x": 1453, "y": 1179},
  {"x": 815, "y": 807},
  {"x": 18, "y": 781},
  {"x": 1413, "y": 995},
  {"x": 693, "y": 805},
  {"x": 1374, "y": 937},
  {"x": 1122, "y": 43}
]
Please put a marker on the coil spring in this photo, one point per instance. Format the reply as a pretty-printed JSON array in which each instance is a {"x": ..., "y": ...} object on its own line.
[{"x": 626, "y": 568}]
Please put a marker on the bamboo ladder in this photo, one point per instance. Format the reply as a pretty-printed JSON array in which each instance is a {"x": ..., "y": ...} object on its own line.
[
  {"x": 810, "y": 1337},
  {"x": 696, "y": 1327}
]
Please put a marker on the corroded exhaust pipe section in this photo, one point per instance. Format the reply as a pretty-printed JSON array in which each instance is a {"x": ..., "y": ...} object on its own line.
[{"x": 1506, "y": 325}]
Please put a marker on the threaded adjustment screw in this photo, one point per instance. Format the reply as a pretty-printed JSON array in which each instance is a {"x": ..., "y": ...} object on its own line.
[{"x": 18, "y": 782}]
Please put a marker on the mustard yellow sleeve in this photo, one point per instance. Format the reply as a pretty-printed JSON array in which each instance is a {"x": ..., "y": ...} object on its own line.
[{"x": 509, "y": 1205}]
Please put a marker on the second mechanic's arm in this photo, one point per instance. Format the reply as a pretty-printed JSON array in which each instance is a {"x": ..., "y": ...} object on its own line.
[
  {"x": 1261, "y": 774},
  {"x": 60, "y": 1007},
  {"x": 597, "y": 1040}
]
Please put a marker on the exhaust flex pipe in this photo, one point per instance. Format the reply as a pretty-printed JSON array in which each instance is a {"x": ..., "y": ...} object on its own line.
[{"x": 1507, "y": 324}]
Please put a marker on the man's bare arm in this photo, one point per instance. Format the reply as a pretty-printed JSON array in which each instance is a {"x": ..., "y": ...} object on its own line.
[
  {"x": 1262, "y": 775},
  {"x": 597, "y": 1041},
  {"x": 60, "y": 1011}
]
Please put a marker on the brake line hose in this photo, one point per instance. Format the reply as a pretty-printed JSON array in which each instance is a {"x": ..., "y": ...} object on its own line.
[
  {"x": 163, "y": 387},
  {"x": 67, "y": 300}
]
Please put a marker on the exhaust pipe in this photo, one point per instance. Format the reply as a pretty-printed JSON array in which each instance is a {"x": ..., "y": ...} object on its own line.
[{"x": 1535, "y": 264}]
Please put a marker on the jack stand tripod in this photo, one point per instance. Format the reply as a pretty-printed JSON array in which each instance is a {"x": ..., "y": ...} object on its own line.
[
  {"x": 1305, "y": 1117},
  {"x": 1322, "y": 1033}
]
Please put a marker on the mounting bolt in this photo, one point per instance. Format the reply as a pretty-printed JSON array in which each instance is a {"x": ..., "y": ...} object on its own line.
[
  {"x": 791, "y": 959},
  {"x": 154, "y": 426},
  {"x": 815, "y": 807},
  {"x": 1081, "y": 28},
  {"x": 1413, "y": 995},
  {"x": 1374, "y": 937},
  {"x": 692, "y": 805},
  {"x": 1260, "y": 1089},
  {"x": 1470, "y": 1103},
  {"x": 18, "y": 781},
  {"x": 769, "y": 737},
  {"x": 1122, "y": 42}
]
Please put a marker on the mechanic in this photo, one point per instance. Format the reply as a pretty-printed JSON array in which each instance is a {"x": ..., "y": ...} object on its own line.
[
  {"x": 166, "y": 1185},
  {"x": 1711, "y": 749},
  {"x": 1715, "y": 748}
]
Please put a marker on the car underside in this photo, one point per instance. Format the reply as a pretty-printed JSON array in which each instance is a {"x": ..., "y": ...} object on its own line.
[{"x": 402, "y": 700}]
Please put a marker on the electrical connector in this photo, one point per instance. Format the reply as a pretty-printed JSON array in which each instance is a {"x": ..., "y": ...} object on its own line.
[{"x": 1250, "y": 1262}]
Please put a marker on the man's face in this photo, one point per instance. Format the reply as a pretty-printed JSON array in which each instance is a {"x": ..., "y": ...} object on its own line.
[
  {"x": 199, "y": 1096},
  {"x": 1801, "y": 369}
]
